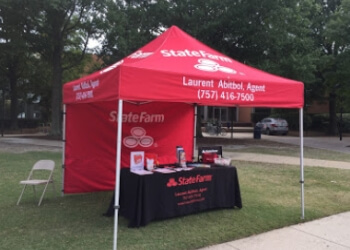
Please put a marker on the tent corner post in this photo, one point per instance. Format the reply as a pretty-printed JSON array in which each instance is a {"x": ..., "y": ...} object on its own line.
[
  {"x": 194, "y": 131},
  {"x": 117, "y": 172},
  {"x": 301, "y": 134},
  {"x": 63, "y": 146}
]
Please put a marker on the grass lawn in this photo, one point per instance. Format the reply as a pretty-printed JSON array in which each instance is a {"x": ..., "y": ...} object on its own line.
[{"x": 270, "y": 196}]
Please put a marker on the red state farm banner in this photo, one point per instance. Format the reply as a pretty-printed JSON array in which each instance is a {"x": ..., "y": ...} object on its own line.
[{"x": 91, "y": 130}]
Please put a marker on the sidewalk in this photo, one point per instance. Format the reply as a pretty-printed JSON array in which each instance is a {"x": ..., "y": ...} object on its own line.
[
  {"x": 332, "y": 232},
  {"x": 27, "y": 140},
  {"x": 285, "y": 160}
]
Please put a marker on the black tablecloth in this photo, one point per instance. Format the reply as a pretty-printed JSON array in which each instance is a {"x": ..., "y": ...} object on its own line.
[{"x": 159, "y": 196}]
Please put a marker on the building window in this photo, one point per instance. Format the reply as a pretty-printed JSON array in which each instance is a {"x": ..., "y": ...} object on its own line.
[
  {"x": 220, "y": 114},
  {"x": 213, "y": 114}
]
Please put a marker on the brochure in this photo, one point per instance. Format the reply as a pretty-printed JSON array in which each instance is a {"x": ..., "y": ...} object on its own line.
[{"x": 137, "y": 160}]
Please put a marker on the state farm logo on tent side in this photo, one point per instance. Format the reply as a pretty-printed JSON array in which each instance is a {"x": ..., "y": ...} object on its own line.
[
  {"x": 195, "y": 53},
  {"x": 142, "y": 117},
  {"x": 182, "y": 181},
  {"x": 140, "y": 54},
  {"x": 212, "y": 66},
  {"x": 138, "y": 137}
]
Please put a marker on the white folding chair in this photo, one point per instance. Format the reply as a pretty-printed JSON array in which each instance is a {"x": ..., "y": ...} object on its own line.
[{"x": 39, "y": 166}]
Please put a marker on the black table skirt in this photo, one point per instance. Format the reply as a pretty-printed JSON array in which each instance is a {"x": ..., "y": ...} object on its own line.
[{"x": 160, "y": 196}]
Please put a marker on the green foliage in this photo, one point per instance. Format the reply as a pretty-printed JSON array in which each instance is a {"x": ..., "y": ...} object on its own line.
[
  {"x": 39, "y": 40},
  {"x": 127, "y": 27},
  {"x": 61, "y": 31},
  {"x": 345, "y": 123},
  {"x": 43, "y": 43},
  {"x": 15, "y": 59},
  {"x": 258, "y": 116},
  {"x": 320, "y": 121},
  {"x": 329, "y": 26}
]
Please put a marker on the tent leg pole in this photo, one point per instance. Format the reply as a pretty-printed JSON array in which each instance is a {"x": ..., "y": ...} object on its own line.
[
  {"x": 301, "y": 129},
  {"x": 63, "y": 146},
  {"x": 117, "y": 172},
  {"x": 195, "y": 131}
]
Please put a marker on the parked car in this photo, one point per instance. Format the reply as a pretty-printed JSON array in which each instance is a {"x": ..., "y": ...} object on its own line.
[{"x": 273, "y": 126}]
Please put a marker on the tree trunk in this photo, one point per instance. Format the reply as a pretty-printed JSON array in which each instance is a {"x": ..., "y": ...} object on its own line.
[
  {"x": 14, "y": 98},
  {"x": 332, "y": 129},
  {"x": 56, "y": 102}
]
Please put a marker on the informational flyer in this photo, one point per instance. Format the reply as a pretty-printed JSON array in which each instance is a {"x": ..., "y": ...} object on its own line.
[{"x": 137, "y": 160}]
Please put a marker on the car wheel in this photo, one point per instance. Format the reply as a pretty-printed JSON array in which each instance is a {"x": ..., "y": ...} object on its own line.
[{"x": 268, "y": 131}]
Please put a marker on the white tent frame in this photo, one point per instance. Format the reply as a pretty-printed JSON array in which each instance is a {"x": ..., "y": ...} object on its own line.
[
  {"x": 117, "y": 173},
  {"x": 301, "y": 135},
  {"x": 118, "y": 161}
]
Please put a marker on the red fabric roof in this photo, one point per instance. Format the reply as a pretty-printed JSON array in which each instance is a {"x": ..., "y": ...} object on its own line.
[{"x": 175, "y": 67}]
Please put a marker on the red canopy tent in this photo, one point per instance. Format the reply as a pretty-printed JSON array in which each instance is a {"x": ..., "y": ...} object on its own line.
[
  {"x": 175, "y": 67},
  {"x": 162, "y": 79}
]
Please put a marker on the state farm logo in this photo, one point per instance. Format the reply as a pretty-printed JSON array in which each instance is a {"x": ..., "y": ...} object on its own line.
[
  {"x": 140, "y": 54},
  {"x": 138, "y": 137},
  {"x": 212, "y": 66},
  {"x": 182, "y": 181},
  {"x": 171, "y": 183}
]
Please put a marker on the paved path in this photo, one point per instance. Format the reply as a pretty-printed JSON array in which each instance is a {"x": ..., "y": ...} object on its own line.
[
  {"x": 23, "y": 140},
  {"x": 330, "y": 233},
  {"x": 323, "y": 142},
  {"x": 286, "y": 160}
]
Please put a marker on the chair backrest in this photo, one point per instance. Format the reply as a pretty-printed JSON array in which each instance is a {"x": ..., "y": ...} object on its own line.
[
  {"x": 44, "y": 165},
  {"x": 209, "y": 149},
  {"x": 47, "y": 165}
]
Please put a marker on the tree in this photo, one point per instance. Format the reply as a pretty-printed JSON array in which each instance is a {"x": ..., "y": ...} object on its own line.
[
  {"x": 338, "y": 33},
  {"x": 128, "y": 26},
  {"x": 62, "y": 31},
  {"x": 328, "y": 18},
  {"x": 14, "y": 55}
]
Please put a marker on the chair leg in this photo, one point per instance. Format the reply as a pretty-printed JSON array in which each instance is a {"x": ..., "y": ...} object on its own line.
[
  {"x": 20, "y": 197},
  {"x": 42, "y": 196}
]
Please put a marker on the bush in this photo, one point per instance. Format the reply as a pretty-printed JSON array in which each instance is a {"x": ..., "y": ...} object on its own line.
[
  {"x": 257, "y": 117},
  {"x": 28, "y": 123},
  {"x": 345, "y": 123}
]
